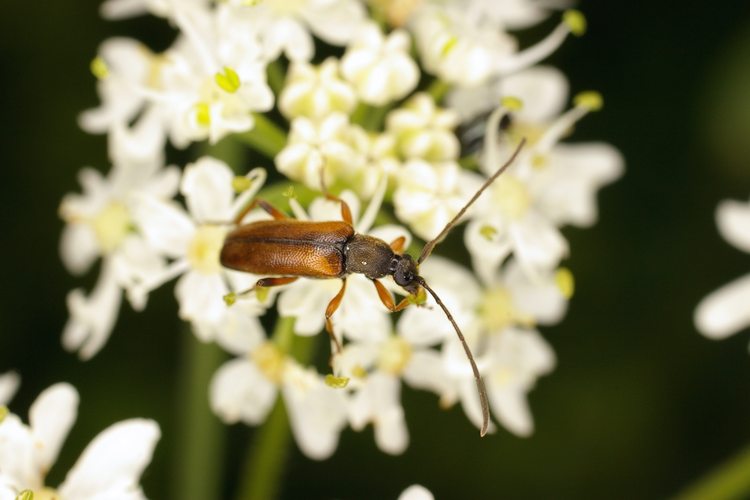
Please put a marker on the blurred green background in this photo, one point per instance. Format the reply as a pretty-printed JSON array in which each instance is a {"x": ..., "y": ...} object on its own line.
[{"x": 639, "y": 406}]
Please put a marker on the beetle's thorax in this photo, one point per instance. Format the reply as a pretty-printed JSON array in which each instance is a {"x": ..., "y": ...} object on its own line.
[{"x": 368, "y": 255}]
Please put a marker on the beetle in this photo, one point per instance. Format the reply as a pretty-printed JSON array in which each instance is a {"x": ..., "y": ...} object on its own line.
[{"x": 293, "y": 249}]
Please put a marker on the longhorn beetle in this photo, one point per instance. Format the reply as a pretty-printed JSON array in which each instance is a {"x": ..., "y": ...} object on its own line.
[{"x": 292, "y": 249}]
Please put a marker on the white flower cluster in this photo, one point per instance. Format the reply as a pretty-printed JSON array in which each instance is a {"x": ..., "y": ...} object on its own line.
[
  {"x": 725, "y": 312},
  {"x": 372, "y": 123},
  {"x": 109, "y": 467}
]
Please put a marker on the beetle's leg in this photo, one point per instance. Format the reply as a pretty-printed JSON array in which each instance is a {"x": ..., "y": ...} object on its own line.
[
  {"x": 270, "y": 209},
  {"x": 268, "y": 282},
  {"x": 387, "y": 299},
  {"x": 332, "y": 306},
  {"x": 397, "y": 245},
  {"x": 346, "y": 212}
]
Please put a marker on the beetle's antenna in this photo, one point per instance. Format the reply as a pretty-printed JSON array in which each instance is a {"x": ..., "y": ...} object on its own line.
[
  {"x": 427, "y": 250},
  {"x": 477, "y": 377}
]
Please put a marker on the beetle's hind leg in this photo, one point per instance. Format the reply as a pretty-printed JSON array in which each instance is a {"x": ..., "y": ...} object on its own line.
[{"x": 261, "y": 283}]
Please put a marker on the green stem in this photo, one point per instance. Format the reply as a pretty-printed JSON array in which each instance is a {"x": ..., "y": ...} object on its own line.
[
  {"x": 264, "y": 465},
  {"x": 266, "y": 137},
  {"x": 202, "y": 439},
  {"x": 731, "y": 480},
  {"x": 370, "y": 117},
  {"x": 275, "y": 74}
]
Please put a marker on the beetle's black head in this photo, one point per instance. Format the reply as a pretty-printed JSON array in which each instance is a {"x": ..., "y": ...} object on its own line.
[{"x": 405, "y": 273}]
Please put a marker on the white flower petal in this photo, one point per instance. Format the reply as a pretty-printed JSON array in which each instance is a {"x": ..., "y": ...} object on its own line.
[
  {"x": 9, "y": 383},
  {"x": 542, "y": 89},
  {"x": 317, "y": 413},
  {"x": 92, "y": 318},
  {"x": 539, "y": 245},
  {"x": 19, "y": 467},
  {"x": 78, "y": 247},
  {"x": 50, "y": 418},
  {"x": 239, "y": 392},
  {"x": 201, "y": 297},
  {"x": 426, "y": 371},
  {"x": 112, "y": 464},
  {"x": 733, "y": 219},
  {"x": 566, "y": 190},
  {"x": 164, "y": 224},
  {"x": 207, "y": 186},
  {"x": 512, "y": 410},
  {"x": 416, "y": 492},
  {"x": 725, "y": 311}
]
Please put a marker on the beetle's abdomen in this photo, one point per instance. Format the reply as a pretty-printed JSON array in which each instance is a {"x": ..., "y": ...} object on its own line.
[{"x": 288, "y": 247}]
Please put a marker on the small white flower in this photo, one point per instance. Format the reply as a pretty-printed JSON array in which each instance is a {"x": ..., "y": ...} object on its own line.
[
  {"x": 423, "y": 130},
  {"x": 286, "y": 26},
  {"x": 516, "y": 358},
  {"x": 245, "y": 389},
  {"x": 465, "y": 46},
  {"x": 123, "y": 68},
  {"x": 724, "y": 311},
  {"x": 214, "y": 78},
  {"x": 9, "y": 383},
  {"x": 380, "y": 68},
  {"x": 109, "y": 467},
  {"x": 100, "y": 224},
  {"x": 511, "y": 358},
  {"x": 317, "y": 412},
  {"x": 428, "y": 196},
  {"x": 194, "y": 240},
  {"x": 331, "y": 147},
  {"x": 375, "y": 370},
  {"x": 316, "y": 92},
  {"x": 543, "y": 90},
  {"x": 548, "y": 185}
]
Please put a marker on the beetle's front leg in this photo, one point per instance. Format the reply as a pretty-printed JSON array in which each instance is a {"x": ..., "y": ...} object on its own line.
[{"x": 387, "y": 299}]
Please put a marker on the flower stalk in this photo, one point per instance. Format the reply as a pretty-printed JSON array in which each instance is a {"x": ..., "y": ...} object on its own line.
[
  {"x": 199, "y": 461},
  {"x": 730, "y": 480},
  {"x": 266, "y": 137},
  {"x": 267, "y": 455}
]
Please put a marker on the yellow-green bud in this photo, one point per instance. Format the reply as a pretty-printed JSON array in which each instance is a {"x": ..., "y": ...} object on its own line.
[
  {"x": 230, "y": 299},
  {"x": 25, "y": 495},
  {"x": 261, "y": 293},
  {"x": 565, "y": 282},
  {"x": 241, "y": 183},
  {"x": 203, "y": 114},
  {"x": 576, "y": 21},
  {"x": 511, "y": 103},
  {"x": 99, "y": 68},
  {"x": 488, "y": 232},
  {"x": 229, "y": 80},
  {"x": 336, "y": 382},
  {"x": 589, "y": 99},
  {"x": 448, "y": 45},
  {"x": 3, "y": 413}
]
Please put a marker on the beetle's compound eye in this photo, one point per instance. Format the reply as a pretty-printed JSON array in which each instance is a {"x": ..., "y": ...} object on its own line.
[
  {"x": 393, "y": 266},
  {"x": 405, "y": 273}
]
